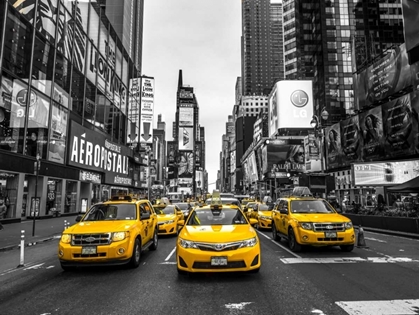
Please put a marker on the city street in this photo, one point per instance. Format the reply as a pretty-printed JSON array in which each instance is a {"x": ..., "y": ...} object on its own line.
[{"x": 384, "y": 275}]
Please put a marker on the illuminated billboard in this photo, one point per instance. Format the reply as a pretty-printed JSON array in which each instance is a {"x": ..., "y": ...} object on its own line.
[
  {"x": 290, "y": 105},
  {"x": 147, "y": 104},
  {"x": 186, "y": 139},
  {"x": 384, "y": 173}
]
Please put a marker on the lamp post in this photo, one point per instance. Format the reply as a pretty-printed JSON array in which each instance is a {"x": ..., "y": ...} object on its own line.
[{"x": 37, "y": 165}]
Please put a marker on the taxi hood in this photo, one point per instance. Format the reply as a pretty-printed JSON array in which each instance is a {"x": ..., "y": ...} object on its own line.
[
  {"x": 321, "y": 217},
  {"x": 165, "y": 217},
  {"x": 217, "y": 233},
  {"x": 100, "y": 226},
  {"x": 266, "y": 213}
]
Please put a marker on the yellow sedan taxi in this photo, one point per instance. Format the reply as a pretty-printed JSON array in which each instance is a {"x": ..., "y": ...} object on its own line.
[
  {"x": 168, "y": 217},
  {"x": 218, "y": 238},
  {"x": 262, "y": 213}
]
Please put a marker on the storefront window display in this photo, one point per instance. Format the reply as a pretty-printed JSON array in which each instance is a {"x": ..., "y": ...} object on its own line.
[
  {"x": 8, "y": 194},
  {"x": 71, "y": 197},
  {"x": 53, "y": 205}
]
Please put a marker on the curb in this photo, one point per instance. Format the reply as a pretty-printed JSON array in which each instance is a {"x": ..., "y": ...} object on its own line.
[{"x": 29, "y": 244}]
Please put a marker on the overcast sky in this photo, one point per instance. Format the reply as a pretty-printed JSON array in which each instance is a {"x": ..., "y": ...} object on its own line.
[{"x": 202, "y": 38}]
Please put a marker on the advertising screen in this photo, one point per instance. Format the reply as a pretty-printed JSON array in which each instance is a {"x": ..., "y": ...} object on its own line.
[
  {"x": 147, "y": 106},
  {"x": 186, "y": 139},
  {"x": 386, "y": 173},
  {"x": 284, "y": 156}
]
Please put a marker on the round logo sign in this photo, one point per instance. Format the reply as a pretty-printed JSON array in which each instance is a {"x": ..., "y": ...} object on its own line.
[
  {"x": 22, "y": 95},
  {"x": 299, "y": 98}
]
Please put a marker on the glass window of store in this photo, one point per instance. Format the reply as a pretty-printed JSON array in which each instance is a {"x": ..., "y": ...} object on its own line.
[
  {"x": 65, "y": 34},
  {"x": 77, "y": 90},
  {"x": 53, "y": 205},
  {"x": 70, "y": 197},
  {"x": 43, "y": 64},
  {"x": 58, "y": 134},
  {"x": 8, "y": 194}
]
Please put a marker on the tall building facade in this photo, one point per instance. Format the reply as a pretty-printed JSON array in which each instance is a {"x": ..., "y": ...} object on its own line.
[{"x": 64, "y": 107}]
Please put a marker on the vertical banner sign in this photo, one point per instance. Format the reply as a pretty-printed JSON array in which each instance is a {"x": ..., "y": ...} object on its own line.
[{"x": 146, "y": 115}]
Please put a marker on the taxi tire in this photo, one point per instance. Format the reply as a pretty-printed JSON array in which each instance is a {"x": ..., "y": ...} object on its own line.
[
  {"x": 154, "y": 245},
  {"x": 293, "y": 244},
  {"x": 276, "y": 237},
  {"x": 135, "y": 257}
]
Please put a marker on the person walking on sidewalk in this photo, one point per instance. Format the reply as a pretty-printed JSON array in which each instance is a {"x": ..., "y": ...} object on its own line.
[{"x": 3, "y": 211}]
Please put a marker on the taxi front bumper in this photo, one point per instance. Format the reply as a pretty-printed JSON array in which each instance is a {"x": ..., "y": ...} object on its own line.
[
  {"x": 167, "y": 229},
  {"x": 196, "y": 260},
  {"x": 310, "y": 237}
]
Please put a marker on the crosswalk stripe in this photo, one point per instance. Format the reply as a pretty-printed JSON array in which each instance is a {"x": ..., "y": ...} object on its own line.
[
  {"x": 391, "y": 307},
  {"x": 344, "y": 260}
]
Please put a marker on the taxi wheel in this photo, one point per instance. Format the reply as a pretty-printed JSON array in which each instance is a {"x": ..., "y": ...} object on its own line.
[
  {"x": 276, "y": 237},
  {"x": 293, "y": 244},
  {"x": 155, "y": 241},
  {"x": 135, "y": 258}
]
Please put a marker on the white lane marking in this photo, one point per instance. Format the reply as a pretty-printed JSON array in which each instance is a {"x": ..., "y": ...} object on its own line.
[
  {"x": 237, "y": 306},
  {"x": 375, "y": 239},
  {"x": 34, "y": 267},
  {"x": 344, "y": 260},
  {"x": 170, "y": 254},
  {"x": 49, "y": 267},
  {"x": 319, "y": 312},
  {"x": 391, "y": 307},
  {"x": 168, "y": 263},
  {"x": 279, "y": 245}
]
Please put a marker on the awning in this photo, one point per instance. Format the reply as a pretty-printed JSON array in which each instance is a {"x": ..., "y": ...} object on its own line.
[{"x": 411, "y": 186}]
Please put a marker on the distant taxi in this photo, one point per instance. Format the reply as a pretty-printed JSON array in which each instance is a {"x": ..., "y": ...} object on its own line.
[
  {"x": 168, "y": 217},
  {"x": 218, "y": 238},
  {"x": 262, "y": 213}
]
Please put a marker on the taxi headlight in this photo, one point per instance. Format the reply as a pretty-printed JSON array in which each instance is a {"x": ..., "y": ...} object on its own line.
[
  {"x": 264, "y": 217},
  {"x": 249, "y": 243},
  {"x": 306, "y": 225},
  {"x": 348, "y": 225},
  {"x": 66, "y": 238},
  {"x": 118, "y": 236},
  {"x": 168, "y": 222},
  {"x": 187, "y": 244}
]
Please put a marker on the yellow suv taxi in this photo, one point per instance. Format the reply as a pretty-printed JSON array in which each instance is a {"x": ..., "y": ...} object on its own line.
[
  {"x": 305, "y": 220},
  {"x": 217, "y": 237},
  {"x": 114, "y": 232}
]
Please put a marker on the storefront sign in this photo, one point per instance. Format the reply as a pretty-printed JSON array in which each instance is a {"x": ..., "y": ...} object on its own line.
[
  {"x": 90, "y": 177},
  {"x": 93, "y": 151}
]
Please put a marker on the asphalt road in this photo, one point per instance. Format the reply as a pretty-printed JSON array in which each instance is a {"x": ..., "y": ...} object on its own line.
[{"x": 382, "y": 278}]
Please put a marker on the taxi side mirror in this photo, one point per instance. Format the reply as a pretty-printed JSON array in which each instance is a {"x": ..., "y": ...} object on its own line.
[
  {"x": 283, "y": 211},
  {"x": 79, "y": 218}
]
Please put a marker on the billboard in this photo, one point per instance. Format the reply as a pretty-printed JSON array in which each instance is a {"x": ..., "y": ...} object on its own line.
[
  {"x": 333, "y": 146},
  {"x": 186, "y": 116},
  {"x": 386, "y": 173},
  {"x": 147, "y": 94},
  {"x": 283, "y": 155},
  {"x": 383, "y": 78},
  {"x": 371, "y": 131},
  {"x": 351, "y": 141},
  {"x": 171, "y": 152},
  {"x": 185, "y": 162},
  {"x": 290, "y": 105},
  {"x": 185, "y": 139}
]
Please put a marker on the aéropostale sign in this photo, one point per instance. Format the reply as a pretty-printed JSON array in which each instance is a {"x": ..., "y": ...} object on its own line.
[{"x": 91, "y": 150}]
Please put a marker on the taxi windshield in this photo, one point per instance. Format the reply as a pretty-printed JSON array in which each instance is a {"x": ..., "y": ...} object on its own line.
[
  {"x": 265, "y": 207},
  {"x": 103, "y": 212},
  {"x": 310, "y": 206},
  {"x": 166, "y": 210},
  {"x": 220, "y": 217}
]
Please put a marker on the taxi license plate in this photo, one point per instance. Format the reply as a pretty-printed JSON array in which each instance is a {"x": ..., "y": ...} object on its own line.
[
  {"x": 330, "y": 234},
  {"x": 88, "y": 250},
  {"x": 219, "y": 261}
]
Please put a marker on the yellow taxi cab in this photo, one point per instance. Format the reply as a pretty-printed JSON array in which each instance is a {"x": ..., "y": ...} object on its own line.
[
  {"x": 217, "y": 237},
  {"x": 247, "y": 208},
  {"x": 304, "y": 220},
  {"x": 114, "y": 232},
  {"x": 262, "y": 213},
  {"x": 168, "y": 217}
]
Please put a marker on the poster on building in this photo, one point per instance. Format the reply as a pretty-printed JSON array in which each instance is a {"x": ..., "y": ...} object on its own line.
[
  {"x": 383, "y": 78},
  {"x": 134, "y": 101},
  {"x": 351, "y": 141},
  {"x": 147, "y": 106},
  {"x": 252, "y": 167},
  {"x": 333, "y": 146},
  {"x": 58, "y": 134},
  {"x": 171, "y": 152},
  {"x": 186, "y": 116},
  {"x": 198, "y": 154},
  {"x": 399, "y": 123},
  {"x": 372, "y": 134},
  {"x": 185, "y": 163},
  {"x": 284, "y": 155},
  {"x": 185, "y": 139}
]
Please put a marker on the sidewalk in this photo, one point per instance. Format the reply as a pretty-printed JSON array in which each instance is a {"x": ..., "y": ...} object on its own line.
[{"x": 45, "y": 229}]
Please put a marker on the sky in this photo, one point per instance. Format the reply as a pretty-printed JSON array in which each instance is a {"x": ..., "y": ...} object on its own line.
[{"x": 203, "y": 39}]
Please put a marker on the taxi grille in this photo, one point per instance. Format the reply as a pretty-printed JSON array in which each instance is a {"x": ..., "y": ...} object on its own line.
[
  {"x": 218, "y": 247},
  {"x": 91, "y": 239},
  {"x": 230, "y": 265},
  {"x": 328, "y": 227}
]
